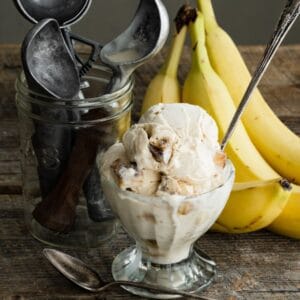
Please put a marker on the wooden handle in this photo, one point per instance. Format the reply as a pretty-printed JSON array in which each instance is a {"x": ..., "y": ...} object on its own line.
[{"x": 57, "y": 211}]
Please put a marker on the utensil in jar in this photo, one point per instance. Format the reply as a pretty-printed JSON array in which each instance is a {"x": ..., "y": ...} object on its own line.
[
  {"x": 47, "y": 61},
  {"x": 50, "y": 70},
  {"x": 67, "y": 13},
  {"x": 287, "y": 19},
  {"x": 85, "y": 277},
  {"x": 144, "y": 38}
]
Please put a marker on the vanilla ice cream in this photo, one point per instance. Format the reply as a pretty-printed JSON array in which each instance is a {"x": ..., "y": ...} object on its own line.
[
  {"x": 174, "y": 149},
  {"x": 168, "y": 180}
]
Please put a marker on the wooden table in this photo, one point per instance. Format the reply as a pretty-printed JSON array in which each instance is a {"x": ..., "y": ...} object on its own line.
[{"x": 251, "y": 266}]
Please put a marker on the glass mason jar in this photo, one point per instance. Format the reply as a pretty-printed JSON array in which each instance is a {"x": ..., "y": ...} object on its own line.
[{"x": 61, "y": 146}]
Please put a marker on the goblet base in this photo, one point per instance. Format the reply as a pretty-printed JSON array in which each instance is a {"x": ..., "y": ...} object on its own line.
[{"x": 190, "y": 275}]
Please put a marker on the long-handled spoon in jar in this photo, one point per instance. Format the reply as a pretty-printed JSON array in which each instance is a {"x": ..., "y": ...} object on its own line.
[{"x": 286, "y": 21}]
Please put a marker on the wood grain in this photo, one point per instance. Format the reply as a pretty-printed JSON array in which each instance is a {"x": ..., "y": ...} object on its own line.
[{"x": 251, "y": 266}]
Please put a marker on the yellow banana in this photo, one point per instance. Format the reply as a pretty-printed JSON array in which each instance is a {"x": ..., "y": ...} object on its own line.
[
  {"x": 203, "y": 87},
  {"x": 276, "y": 142},
  {"x": 165, "y": 87},
  {"x": 288, "y": 222},
  {"x": 253, "y": 206}
]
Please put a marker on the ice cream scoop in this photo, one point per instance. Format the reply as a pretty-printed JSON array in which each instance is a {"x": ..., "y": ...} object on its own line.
[
  {"x": 145, "y": 37},
  {"x": 174, "y": 149}
]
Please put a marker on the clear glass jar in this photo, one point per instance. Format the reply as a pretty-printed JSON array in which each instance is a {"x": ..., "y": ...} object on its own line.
[{"x": 61, "y": 146}]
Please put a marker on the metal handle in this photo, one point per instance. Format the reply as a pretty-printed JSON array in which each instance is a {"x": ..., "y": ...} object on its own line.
[
  {"x": 94, "y": 54},
  {"x": 286, "y": 21}
]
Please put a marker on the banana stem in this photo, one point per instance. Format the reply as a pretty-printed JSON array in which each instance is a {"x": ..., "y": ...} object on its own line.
[
  {"x": 206, "y": 7},
  {"x": 171, "y": 65}
]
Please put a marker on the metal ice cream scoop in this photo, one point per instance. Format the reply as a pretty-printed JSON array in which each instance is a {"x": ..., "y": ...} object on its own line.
[
  {"x": 67, "y": 13},
  {"x": 144, "y": 38},
  {"x": 47, "y": 61}
]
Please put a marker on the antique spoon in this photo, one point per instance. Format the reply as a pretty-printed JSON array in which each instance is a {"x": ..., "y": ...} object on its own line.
[
  {"x": 286, "y": 21},
  {"x": 144, "y": 37},
  {"x": 85, "y": 277}
]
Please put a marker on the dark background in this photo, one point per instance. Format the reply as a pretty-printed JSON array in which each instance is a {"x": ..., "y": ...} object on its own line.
[{"x": 248, "y": 21}]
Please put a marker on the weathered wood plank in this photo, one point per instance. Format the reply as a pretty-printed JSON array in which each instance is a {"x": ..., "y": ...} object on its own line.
[
  {"x": 10, "y": 167},
  {"x": 251, "y": 266},
  {"x": 10, "y": 184},
  {"x": 11, "y": 155},
  {"x": 9, "y": 135}
]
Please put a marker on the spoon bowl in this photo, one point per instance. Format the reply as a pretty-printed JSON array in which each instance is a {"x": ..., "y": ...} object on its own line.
[
  {"x": 144, "y": 38},
  {"x": 74, "y": 269}
]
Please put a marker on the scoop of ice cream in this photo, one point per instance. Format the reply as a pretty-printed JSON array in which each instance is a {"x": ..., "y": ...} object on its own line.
[
  {"x": 126, "y": 174},
  {"x": 150, "y": 145},
  {"x": 173, "y": 150}
]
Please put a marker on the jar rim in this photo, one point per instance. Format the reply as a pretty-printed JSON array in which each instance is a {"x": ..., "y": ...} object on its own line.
[{"x": 90, "y": 102}]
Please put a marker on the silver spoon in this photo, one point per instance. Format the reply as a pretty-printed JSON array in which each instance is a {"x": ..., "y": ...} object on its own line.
[
  {"x": 82, "y": 275},
  {"x": 286, "y": 21},
  {"x": 144, "y": 37}
]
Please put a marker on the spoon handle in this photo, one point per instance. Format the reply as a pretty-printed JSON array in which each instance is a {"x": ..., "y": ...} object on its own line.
[
  {"x": 286, "y": 21},
  {"x": 57, "y": 211},
  {"x": 160, "y": 289}
]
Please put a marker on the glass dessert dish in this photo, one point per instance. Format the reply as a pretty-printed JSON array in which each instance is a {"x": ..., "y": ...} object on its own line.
[{"x": 165, "y": 228}]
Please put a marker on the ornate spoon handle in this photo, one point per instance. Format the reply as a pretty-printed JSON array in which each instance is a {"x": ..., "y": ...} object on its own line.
[{"x": 286, "y": 21}]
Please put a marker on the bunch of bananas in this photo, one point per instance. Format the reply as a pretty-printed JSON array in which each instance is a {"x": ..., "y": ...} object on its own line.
[{"x": 260, "y": 147}]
